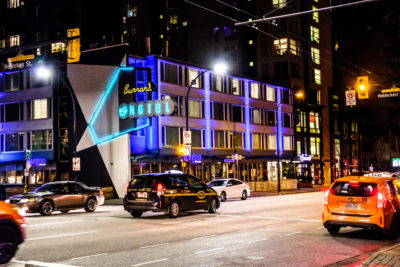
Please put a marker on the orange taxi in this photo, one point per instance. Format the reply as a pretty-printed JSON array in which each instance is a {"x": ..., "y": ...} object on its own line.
[
  {"x": 12, "y": 230},
  {"x": 363, "y": 202}
]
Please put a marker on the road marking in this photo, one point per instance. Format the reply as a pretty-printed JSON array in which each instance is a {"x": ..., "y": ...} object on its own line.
[
  {"x": 200, "y": 237},
  {"x": 182, "y": 221},
  {"x": 56, "y": 236},
  {"x": 294, "y": 233},
  {"x": 46, "y": 224},
  {"x": 155, "y": 245},
  {"x": 230, "y": 215},
  {"x": 258, "y": 240},
  {"x": 254, "y": 258},
  {"x": 150, "y": 262},
  {"x": 83, "y": 257},
  {"x": 208, "y": 250},
  {"x": 305, "y": 220},
  {"x": 263, "y": 217},
  {"x": 40, "y": 263}
]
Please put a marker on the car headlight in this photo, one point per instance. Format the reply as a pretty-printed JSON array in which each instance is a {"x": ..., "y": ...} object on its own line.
[
  {"x": 21, "y": 212},
  {"x": 24, "y": 200},
  {"x": 7, "y": 201}
]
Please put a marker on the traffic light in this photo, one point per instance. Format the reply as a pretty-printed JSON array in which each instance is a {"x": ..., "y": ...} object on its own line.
[{"x": 362, "y": 87}]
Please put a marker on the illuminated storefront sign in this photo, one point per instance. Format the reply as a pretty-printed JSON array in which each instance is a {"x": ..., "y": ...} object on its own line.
[
  {"x": 194, "y": 158},
  {"x": 148, "y": 109},
  {"x": 396, "y": 162},
  {"x": 305, "y": 158},
  {"x": 134, "y": 90},
  {"x": 38, "y": 162}
]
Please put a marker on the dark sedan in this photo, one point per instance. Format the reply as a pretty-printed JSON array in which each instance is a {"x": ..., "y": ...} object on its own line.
[{"x": 63, "y": 196}]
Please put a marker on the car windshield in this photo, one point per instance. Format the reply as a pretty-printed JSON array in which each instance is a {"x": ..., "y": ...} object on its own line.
[
  {"x": 354, "y": 189},
  {"x": 217, "y": 183},
  {"x": 49, "y": 188}
]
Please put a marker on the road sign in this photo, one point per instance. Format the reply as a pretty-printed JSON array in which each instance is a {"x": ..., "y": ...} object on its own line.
[
  {"x": 187, "y": 137},
  {"x": 187, "y": 150},
  {"x": 351, "y": 98},
  {"x": 76, "y": 164}
]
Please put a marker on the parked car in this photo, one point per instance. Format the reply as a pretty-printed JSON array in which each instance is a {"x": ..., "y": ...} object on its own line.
[
  {"x": 12, "y": 230},
  {"x": 170, "y": 192},
  {"x": 63, "y": 196},
  {"x": 364, "y": 202},
  {"x": 230, "y": 188}
]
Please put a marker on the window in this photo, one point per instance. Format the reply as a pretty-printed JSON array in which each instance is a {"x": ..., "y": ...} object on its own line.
[
  {"x": 13, "y": 142},
  {"x": 317, "y": 76},
  {"x": 218, "y": 83},
  {"x": 280, "y": 46},
  {"x": 58, "y": 47},
  {"x": 236, "y": 113},
  {"x": 194, "y": 78},
  {"x": 178, "y": 104},
  {"x": 256, "y": 141},
  {"x": 195, "y": 108},
  {"x": 171, "y": 73},
  {"x": 285, "y": 96},
  {"x": 218, "y": 111},
  {"x": 315, "y": 55},
  {"x": 171, "y": 136},
  {"x": 314, "y": 146},
  {"x": 256, "y": 116},
  {"x": 13, "y": 81},
  {"x": 197, "y": 140},
  {"x": 250, "y": 42},
  {"x": 314, "y": 122},
  {"x": 279, "y": 3},
  {"x": 2, "y": 43},
  {"x": 237, "y": 140},
  {"x": 298, "y": 143},
  {"x": 173, "y": 19},
  {"x": 270, "y": 93},
  {"x": 294, "y": 47},
  {"x": 14, "y": 3},
  {"x": 255, "y": 90},
  {"x": 286, "y": 120},
  {"x": 315, "y": 15},
  {"x": 314, "y": 34},
  {"x": 272, "y": 142},
  {"x": 219, "y": 139},
  {"x": 194, "y": 182},
  {"x": 41, "y": 140},
  {"x": 236, "y": 88},
  {"x": 271, "y": 120},
  {"x": 281, "y": 69},
  {"x": 251, "y": 63},
  {"x": 39, "y": 109},
  {"x": 301, "y": 121},
  {"x": 13, "y": 40},
  {"x": 287, "y": 143},
  {"x": 295, "y": 70},
  {"x": 12, "y": 112}
]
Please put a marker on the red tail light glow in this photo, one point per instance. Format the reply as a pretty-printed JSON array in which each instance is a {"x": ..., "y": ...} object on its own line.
[
  {"x": 160, "y": 188},
  {"x": 126, "y": 189},
  {"x": 326, "y": 197},
  {"x": 380, "y": 202},
  {"x": 101, "y": 193}
]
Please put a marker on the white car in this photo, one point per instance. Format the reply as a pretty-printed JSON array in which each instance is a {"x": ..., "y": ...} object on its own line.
[{"x": 230, "y": 188}]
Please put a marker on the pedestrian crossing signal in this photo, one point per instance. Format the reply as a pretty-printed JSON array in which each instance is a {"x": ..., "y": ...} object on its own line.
[{"x": 362, "y": 87}]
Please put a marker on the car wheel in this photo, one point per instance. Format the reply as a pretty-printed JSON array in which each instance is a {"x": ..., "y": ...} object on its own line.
[
  {"x": 91, "y": 205},
  {"x": 173, "y": 209},
  {"x": 333, "y": 229},
  {"x": 64, "y": 211},
  {"x": 244, "y": 195},
  {"x": 136, "y": 213},
  {"x": 46, "y": 208},
  {"x": 394, "y": 227},
  {"x": 212, "y": 206},
  {"x": 8, "y": 243},
  {"x": 223, "y": 197}
]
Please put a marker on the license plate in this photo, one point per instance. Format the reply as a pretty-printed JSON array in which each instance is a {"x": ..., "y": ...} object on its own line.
[
  {"x": 141, "y": 194},
  {"x": 353, "y": 206}
]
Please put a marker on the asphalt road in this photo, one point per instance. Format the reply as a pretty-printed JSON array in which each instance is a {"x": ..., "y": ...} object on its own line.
[{"x": 283, "y": 230}]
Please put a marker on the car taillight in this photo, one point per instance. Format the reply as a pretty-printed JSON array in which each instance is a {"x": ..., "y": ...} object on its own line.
[
  {"x": 160, "y": 189},
  {"x": 326, "y": 197},
  {"x": 126, "y": 189},
  {"x": 101, "y": 193},
  {"x": 381, "y": 201}
]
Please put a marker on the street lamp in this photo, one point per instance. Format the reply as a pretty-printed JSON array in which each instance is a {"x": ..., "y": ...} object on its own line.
[
  {"x": 44, "y": 73},
  {"x": 278, "y": 152}
]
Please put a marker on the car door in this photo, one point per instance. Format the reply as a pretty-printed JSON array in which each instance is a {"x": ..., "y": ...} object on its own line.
[
  {"x": 181, "y": 189},
  {"x": 230, "y": 189},
  {"x": 76, "y": 195},
  {"x": 239, "y": 187},
  {"x": 198, "y": 193}
]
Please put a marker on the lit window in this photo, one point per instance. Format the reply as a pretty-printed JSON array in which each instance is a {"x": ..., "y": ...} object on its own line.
[
  {"x": 315, "y": 55},
  {"x": 256, "y": 141},
  {"x": 161, "y": 16},
  {"x": 237, "y": 140},
  {"x": 251, "y": 63},
  {"x": 236, "y": 87},
  {"x": 317, "y": 76},
  {"x": 280, "y": 46},
  {"x": 2, "y": 43},
  {"x": 314, "y": 146},
  {"x": 315, "y": 15},
  {"x": 171, "y": 136},
  {"x": 38, "y": 51},
  {"x": 270, "y": 93},
  {"x": 279, "y": 3},
  {"x": 184, "y": 24},
  {"x": 250, "y": 42},
  {"x": 218, "y": 86},
  {"x": 256, "y": 118},
  {"x": 319, "y": 97},
  {"x": 314, "y": 122},
  {"x": 14, "y": 3},
  {"x": 287, "y": 143},
  {"x": 42, "y": 140},
  {"x": 194, "y": 78},
  {"x": 219, "y": 139},
  {"x": 14, "y": 40},
  {"x": 195, "y": 108},
  {"x": 171, "y": 73},
  {"x": 161, "y": 36},
  {"x": 173, "y": 19},
  {"x": 39, "y": 109},
  {"x": 294, "y": 48},
  {"x": 314, "y": 34},
  {"x": 271, "y": 142},
  {"x": 255, "y": 90},
  {"x": 58, "y": 47}
]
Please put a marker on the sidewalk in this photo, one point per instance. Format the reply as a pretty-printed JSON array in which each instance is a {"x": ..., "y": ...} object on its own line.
[
  {"x": 315, "y": 188},
  {"x": 388, "y": 257}
]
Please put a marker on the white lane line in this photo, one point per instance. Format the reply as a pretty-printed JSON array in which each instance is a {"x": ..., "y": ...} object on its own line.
[
  {"x": 263, "y": 217},
  {"x": 200, "y": 237},
  {"x": 182, "y": 221},
  {"x": 155, "y": 245},
  {"x": 258, "y": 240},
  {"x": 149, "y": 262},
  {"x": 40, "y": 263},
  {"x": 208, "y": 250},
  {"x": 254, "y": 258},
  {"x": 46, "y": 224},
  {"x": 56, "y": 236},
  {"x": 294, "y": 233},
  {"x": 230, "y": 215},
  {"x": 84, "y": 257},
  {"x": 305, "y": 220}
]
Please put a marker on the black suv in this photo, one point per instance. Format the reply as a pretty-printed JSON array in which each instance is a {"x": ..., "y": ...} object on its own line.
[{"x": 168, "y": 192}]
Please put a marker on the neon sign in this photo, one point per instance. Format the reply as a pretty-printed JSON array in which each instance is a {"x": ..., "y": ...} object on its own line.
[
  {"x": 148, "y": 109},
  {"x": 128, "y": 90},
  {"x": 194, "y": 158},
  {"x": 38, "y": 162}
]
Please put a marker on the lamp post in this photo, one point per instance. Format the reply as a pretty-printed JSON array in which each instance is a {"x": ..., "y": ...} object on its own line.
[
  {"x": 278, "y": 139},
  {"x": 45, "y": 73}
]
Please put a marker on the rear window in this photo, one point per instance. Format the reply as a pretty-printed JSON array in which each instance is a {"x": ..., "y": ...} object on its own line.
[
  {"x": 143, "y": 181},
  {"x": 354, "y": 189}
]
